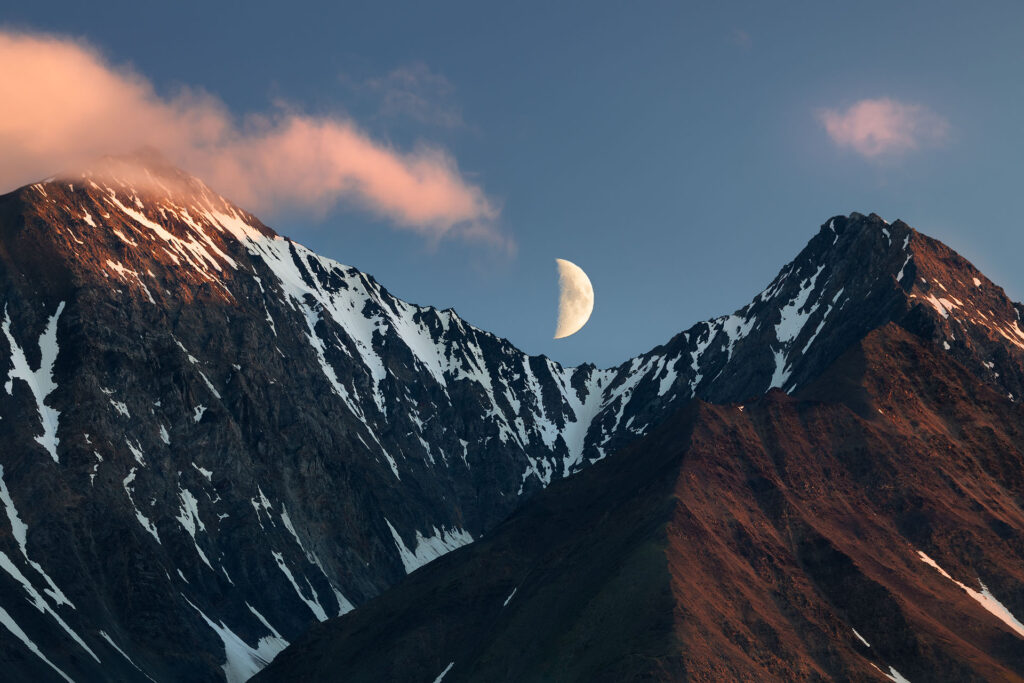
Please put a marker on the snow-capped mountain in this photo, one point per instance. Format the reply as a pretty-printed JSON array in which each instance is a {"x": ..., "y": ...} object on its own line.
[
  {"x": 213, "y": 437},
  {"x": 867, "y": 528}
]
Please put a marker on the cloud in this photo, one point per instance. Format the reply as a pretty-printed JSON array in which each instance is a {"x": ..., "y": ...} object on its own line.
[
  {"x": 741, "y": 39},
  {"x": 884, "y": 127},
  {"x": 416, "y": 92},
  {"x": 63, "y": 106}
]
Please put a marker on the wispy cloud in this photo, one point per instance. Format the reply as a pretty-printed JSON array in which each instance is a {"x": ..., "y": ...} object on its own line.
[
  {"x": 876, "y": 128},
  {"x": 63, "y": 105},
  {"x": 416, "y": 92},
  {"x": 741, "y": 38}
]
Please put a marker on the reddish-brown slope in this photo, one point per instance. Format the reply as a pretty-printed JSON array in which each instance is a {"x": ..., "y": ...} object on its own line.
[
  {"x": 799, "y": 521},
  {"x": 739, "y": 543}
]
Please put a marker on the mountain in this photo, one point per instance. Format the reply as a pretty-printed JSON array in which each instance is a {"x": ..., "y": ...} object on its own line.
[
  {"x": 869, "y": 527},
  {"x": 213, "y": 438}
]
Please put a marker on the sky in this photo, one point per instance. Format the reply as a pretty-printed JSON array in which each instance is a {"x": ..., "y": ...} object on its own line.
[{"x": 680, "y": 153}]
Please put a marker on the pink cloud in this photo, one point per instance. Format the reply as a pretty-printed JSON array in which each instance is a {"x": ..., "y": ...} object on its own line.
[
  {"x": 880, "y": 127},
  {"x": 64, "y": 106}
]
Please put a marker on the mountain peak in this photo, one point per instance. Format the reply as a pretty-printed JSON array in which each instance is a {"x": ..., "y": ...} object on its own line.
[
  {"x": 144, "y": 172},
  {"x": 135, "y": 214},
  {"x": 857, "y": 273}
]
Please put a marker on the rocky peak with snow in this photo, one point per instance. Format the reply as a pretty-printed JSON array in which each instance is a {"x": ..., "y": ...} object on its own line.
[
  {"x": 858, "y": 273},
  {"x": 213, "y": 436}
]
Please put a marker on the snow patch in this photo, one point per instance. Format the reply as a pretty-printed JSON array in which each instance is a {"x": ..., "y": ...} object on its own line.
[
  {"x": 103, "y": 634},
  {"x": 136, "y": 450},
  {"x": 893, "y": 675},
  {"x": 19, "y": 530},
  {"x": 39, "y": 381},
  {"x": 8, "y": 621},
  {"x": 188, "y": 517},
  {"x": 143, "y": 520},
  {"x": 429, "y": 548},
  {"x": 899, "y": 276},
  {"x": 313, "y": 603},
  {"x": 983, "y": 597},
  {"x": 38, "y": 602},
  {"x": 440, "y": 676},
  {"x": 242, "y": 662},
  {"x": 791, "y": 317}
]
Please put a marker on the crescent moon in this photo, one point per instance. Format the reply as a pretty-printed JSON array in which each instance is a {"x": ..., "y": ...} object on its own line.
[{"x": 576, "y": 300}]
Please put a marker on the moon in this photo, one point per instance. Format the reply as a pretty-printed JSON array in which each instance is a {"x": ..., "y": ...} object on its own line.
[{"x": 576, "y": 300}]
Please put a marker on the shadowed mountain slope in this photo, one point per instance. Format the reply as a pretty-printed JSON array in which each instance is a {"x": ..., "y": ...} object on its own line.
[{"x": 869, "y": 528}]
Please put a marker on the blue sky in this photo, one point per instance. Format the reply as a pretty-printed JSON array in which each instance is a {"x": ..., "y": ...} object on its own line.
[{"x": 675, "y": 151}]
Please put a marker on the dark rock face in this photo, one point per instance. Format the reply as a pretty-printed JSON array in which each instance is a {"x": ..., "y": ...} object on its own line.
[
  {"x": 212, "y": 437},
  {"x": 867, "y": 528}
]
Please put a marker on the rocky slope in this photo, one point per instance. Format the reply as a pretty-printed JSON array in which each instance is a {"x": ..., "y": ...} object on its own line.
[
  {"x": 211, "y": 437},
  {"x": 868, "y": 529}
]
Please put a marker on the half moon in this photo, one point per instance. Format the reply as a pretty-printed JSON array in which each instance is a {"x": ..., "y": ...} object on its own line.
[{"x": 576, "y": 300}]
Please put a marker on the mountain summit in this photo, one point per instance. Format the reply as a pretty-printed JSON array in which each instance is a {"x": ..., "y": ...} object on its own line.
[{"x": 213, "y": 437}]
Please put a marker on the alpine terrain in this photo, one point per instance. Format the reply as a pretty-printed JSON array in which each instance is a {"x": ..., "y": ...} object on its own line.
[{"x": 211, "y": 439}]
